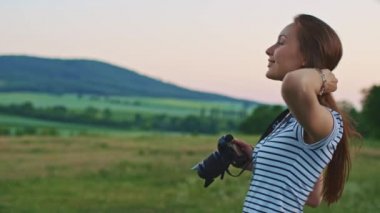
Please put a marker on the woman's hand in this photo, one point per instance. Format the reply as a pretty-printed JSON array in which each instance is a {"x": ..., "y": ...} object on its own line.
[
  {"x": 246, "y": 149},
  {"x": 331, "y": 82}
]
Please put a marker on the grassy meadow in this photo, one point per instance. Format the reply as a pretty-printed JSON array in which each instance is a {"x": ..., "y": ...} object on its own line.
[
  {"x": 83, "y": 168},
  {"x": 142, "y": 172}
]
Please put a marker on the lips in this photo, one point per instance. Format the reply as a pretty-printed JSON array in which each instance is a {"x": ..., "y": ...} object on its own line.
[{"x": 270, "y": 62}]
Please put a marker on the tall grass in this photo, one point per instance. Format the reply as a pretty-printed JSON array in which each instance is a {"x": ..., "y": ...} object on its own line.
[{"x": 141, "y": 173}]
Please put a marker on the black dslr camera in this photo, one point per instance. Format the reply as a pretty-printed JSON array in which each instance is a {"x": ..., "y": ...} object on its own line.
[{"x": 218, "y": 162}]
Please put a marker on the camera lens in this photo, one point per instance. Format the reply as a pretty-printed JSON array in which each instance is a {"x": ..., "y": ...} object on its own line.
[{"x": 211, "y": 167}]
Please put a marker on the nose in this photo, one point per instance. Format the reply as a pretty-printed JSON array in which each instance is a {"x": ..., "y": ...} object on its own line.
[{"x": 270, "y": 50}]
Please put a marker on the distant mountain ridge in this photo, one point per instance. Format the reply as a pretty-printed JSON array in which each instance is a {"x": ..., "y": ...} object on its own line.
[{"x": 80, "y": 76}]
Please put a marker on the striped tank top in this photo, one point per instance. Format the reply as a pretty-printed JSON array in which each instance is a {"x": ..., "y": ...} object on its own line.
[{"x": 286, "y": 168}]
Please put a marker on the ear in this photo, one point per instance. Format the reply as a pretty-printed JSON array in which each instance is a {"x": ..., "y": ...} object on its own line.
[
  {"x": 303, "y": 62},
  {"x": 302, "y": 59}
]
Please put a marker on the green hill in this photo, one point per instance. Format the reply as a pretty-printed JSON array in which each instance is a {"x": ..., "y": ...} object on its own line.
[{"x": 78, "y": 76}]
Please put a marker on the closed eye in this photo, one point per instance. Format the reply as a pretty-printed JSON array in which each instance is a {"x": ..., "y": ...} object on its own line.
[{"x": 281, "y": 40}]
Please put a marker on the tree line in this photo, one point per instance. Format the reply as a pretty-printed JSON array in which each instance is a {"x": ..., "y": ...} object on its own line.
[
  {"x": 203, "y": 123},
  {"x": 367, "y": 121}
]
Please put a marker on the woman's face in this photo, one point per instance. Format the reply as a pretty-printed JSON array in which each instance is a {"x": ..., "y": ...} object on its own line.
[{"x": 284, "y": 55}]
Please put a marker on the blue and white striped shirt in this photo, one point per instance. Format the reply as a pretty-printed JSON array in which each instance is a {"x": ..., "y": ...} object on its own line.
[{"x": 286, "y": 168}]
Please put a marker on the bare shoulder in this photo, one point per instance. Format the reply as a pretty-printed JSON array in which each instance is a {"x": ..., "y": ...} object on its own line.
[{"x": 317, "y": 122}]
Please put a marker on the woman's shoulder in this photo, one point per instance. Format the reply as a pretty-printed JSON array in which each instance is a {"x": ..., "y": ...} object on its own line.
[{"x": 334, "y": 135}]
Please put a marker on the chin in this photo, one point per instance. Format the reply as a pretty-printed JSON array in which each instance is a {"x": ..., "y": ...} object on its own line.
[{"x": 272, "y": 76}]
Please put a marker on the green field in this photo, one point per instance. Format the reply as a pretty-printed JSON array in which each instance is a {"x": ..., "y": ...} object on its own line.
[
  {"x": 122, "y": 106},
  {"x": 65, "y": 129},
  {"x": 138, "y": 172}
]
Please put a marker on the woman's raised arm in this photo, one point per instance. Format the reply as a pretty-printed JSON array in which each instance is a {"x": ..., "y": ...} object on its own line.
[{"x": 300, "y": 90}]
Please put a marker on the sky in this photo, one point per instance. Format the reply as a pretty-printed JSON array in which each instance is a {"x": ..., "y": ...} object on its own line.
[{"x": 207, "y": 45}]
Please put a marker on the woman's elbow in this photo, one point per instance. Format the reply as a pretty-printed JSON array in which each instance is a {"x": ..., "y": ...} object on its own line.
[
  {"x": 314, "y": 202},
  {"x": 292, "y": 86}
]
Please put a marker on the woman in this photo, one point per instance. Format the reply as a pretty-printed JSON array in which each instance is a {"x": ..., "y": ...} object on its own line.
[{"x": 305, "y": 158}]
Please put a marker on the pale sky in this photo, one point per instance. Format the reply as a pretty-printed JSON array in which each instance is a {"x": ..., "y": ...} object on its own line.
[{"x": 208, "y": 45}]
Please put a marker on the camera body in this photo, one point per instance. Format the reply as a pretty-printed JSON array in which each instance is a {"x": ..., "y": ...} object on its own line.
[{"x": 217, "y": 163}]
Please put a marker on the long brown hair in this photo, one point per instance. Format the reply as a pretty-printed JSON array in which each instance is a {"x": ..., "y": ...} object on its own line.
[{"x": 322, "y": 48}]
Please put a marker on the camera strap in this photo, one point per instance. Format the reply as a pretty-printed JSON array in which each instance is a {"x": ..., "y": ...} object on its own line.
[
  {"x": 241, "y": 172},
  {"x": 269, "y": 129}
]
